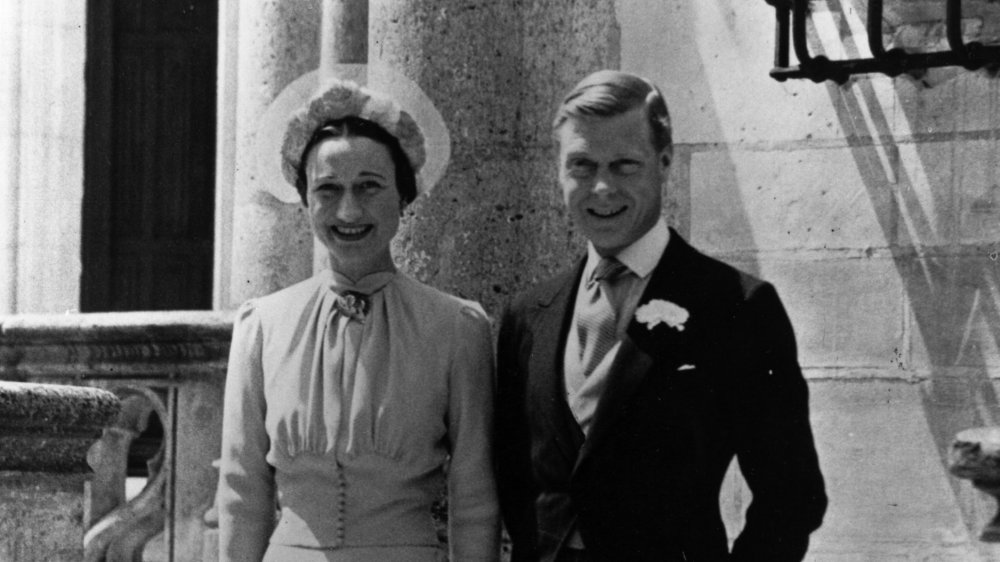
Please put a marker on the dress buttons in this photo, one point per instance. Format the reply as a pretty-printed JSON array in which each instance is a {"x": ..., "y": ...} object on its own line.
[{"x": 341, "y": 503}]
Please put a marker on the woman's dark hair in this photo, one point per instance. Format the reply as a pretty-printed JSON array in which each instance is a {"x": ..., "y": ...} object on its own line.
[{"x": 406, "y": 179}]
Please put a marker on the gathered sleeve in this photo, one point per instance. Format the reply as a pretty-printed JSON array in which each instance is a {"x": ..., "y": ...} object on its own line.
[
  {"x": 473, "y": 513},
  {"x": 245, "y": 495}
]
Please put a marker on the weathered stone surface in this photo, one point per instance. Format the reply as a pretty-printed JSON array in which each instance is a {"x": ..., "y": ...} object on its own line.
[
  {"x": 198, "y": 433},
  {"x": 950, "y": 316},
  {"x": 49, "y": 428},
  {"x": 496, "y": 72},
  {"x": 890, "y": 495},
  {"x": 780, "y": 200},
  {"x": 43, "y": 161},
  {"x": 41, "y": 516},
  {"x": 174, "y": 360},
  {"x": 271, "y": 241},
  {"x": 949, "y": 193},
  {"x": 82, "y": 346}
]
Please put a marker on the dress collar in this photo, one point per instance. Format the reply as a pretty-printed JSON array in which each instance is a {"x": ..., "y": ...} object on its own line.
[{"x": 367, "y": 285}]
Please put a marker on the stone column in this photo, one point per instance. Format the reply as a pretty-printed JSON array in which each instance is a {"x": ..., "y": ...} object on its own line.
[
  {"x": 271, "y": 246},
  {"x": 496, "y": 70},
  {"x": 45, "y": 433},
  {"x": 41, "y": 154},
  {"x": 10, "y": 145},
  {"x": 344, "y": 34}
]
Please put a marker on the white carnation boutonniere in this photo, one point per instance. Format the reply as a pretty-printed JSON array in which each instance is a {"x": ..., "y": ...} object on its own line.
[{"x": 659, "y": 311}]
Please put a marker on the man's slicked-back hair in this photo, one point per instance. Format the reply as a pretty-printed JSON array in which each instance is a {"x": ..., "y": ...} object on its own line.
[{"x": 607, "y": 93}]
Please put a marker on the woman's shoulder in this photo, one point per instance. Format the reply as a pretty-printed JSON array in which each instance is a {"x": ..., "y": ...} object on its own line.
[
  {"x": 437, "y": 303},
  {"x": 283, "y": 303}
]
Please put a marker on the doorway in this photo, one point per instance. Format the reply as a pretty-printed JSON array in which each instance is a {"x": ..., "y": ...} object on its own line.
[{"x": 149, "y": 155}]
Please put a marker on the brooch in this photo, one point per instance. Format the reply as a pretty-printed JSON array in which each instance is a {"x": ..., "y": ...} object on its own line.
[{"x": 353, "y": 305}]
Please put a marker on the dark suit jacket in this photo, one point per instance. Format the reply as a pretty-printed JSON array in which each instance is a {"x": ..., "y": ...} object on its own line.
[{"x": 645, "y": 484}]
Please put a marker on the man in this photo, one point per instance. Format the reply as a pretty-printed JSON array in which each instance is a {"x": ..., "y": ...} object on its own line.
[{"x": 625, "y": 392}]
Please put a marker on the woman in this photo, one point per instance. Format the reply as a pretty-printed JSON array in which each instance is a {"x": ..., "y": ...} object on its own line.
[{"x": 346, "y": 393}]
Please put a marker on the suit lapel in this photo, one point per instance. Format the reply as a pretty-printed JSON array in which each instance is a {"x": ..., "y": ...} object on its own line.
[
  {"x": 554, "y": 309},
  {"x": 627, "y": 370},
  {"x": 641, "y": 347}
]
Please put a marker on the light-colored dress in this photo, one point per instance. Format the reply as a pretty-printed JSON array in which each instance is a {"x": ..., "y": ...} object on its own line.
[{"x": 345, "y": 426}]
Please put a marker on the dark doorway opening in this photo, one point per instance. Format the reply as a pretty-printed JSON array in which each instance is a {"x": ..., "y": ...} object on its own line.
[{"x": 149, "y": 155}]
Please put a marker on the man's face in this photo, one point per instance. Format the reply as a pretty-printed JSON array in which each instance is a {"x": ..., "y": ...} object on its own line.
[{"x": 611, "y": 177}]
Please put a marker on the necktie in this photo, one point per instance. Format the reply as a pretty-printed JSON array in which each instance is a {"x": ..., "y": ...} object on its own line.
[{"x": 597, "y": 321}]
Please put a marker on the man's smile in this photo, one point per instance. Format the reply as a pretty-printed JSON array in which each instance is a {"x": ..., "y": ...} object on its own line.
[
  {"x": 351, "y": 233},
  {"x": 606, "y": 213}
]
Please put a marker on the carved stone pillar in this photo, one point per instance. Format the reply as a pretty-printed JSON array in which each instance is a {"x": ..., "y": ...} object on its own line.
[
  {"x": 45, "y": 433},
  {"x": 271, "y": 246},
  {"x": 496, "y": 70}
]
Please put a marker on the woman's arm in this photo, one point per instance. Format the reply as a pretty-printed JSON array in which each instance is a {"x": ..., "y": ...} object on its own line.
[
  {"x": 473, "y": 514},
  {"x": 246, "y": 484}
]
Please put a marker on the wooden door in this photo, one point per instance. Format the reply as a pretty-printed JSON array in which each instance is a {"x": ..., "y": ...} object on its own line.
[{"x": 149, "y": 155}]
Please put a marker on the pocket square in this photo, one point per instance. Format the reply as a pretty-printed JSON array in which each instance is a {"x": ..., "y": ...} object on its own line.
[{"x": 686, "y": 367}]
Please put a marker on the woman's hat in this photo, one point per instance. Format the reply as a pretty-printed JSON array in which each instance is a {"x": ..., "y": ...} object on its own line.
[{"x": 412, "y": 119}]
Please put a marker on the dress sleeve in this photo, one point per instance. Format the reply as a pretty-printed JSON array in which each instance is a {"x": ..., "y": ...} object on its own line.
[
  {"x": 245, "y": 496},
  {"x": 473, "y": 514}
]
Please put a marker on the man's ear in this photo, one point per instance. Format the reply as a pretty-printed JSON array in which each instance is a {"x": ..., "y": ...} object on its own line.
[{"x": 666, "y": 157}]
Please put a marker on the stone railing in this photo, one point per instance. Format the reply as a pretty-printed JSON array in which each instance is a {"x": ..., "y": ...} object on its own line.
[
  {"x": 46, "y": 432},
  {"x": 165, "y": 364}
]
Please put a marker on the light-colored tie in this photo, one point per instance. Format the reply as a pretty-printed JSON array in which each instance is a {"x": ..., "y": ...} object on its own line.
[{"x": 597, "y": 321}]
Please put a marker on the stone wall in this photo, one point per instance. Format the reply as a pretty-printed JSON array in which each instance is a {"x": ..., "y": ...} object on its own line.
[{"x": 873, "y": 208}]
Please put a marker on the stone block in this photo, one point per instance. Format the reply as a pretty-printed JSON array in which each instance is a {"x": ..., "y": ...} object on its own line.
[
  {"x": 977, "y": 186},
  {"x": 928, "y": 177},
  {"x": 49, "y": 428},
  {"x": 46, "y": 432},
  {"x": 846, "y": 312},
  {"x": 41, "y": 516},
  {"x": 949, "y": 193},
  {"x": 199, "y": 438},
  {"x": 890, "y": 495},
  {"x": 50, "y": 165},
  {"x": 788, "y": 200},
  {"x": 712, "y": 59},
  {"x": 954, "y": 310}
]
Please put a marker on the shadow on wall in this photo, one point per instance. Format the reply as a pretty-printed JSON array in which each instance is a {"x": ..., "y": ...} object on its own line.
[{"x": 941, "y": 255}]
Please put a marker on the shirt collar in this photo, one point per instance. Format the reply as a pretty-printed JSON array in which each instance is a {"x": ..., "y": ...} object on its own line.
[{"x": 640, "y": 256}]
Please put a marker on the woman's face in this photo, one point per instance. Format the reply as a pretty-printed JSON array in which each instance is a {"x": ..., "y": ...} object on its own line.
[{"x": 353, "y": 203}]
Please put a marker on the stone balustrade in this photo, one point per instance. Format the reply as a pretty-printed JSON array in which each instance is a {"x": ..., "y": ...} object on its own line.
[
  {"x": 170, "y": 365},
  {"x": 46, "y": 432}
]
